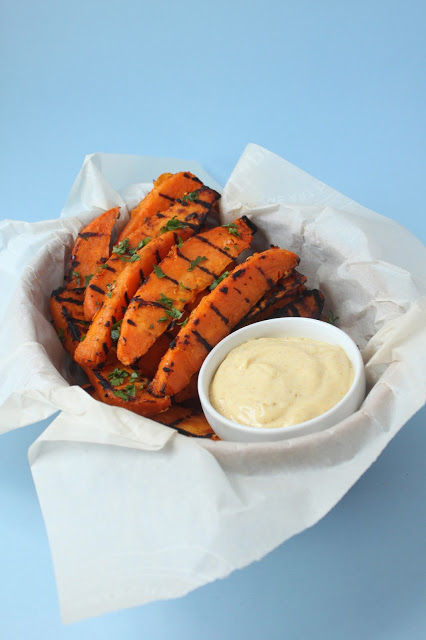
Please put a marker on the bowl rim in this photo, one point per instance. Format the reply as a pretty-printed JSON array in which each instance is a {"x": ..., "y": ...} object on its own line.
[{"x": 356, "y": 361}]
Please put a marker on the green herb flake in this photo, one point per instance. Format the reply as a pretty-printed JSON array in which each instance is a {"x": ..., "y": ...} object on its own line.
[
  {"x": 122, "y": 247},
  {"x": 117, "y": 376},
  {"x": 179, "y": 242},
  {"x": 332, "y": 319},
  {"x": 218, "y": 280},
  {"x": 121, "y": 394},
  {"x": 158, "y": 271},
  {"x": 190, "y": 197},
  {"x": 115, "y": 330},
  {"x": 196, "y": 262},
  {"x": 61, "y": 334},
  {"x": 163, "y": 319},
  {"x": 110, "y": 287},
  {"x": 167, "y": 302},
  {"x": 233, "y": 229},
  {"x": 87, "y": 279},
  {"x": 130, "y": 389},
  {"x": 151, "y": 326},
  {"x": 142, "y": 243},
  {"x": 129, "y": 258},
  {"x": 182, "y": 324},
  {"x": 134, "y": 376},
  {"x": 76, "y": 275},
  {"x": 174, "y": 313},
  {"x": 172, "y": 225},
  {"x": 182, "y": 286},
  {"x": 82, "y": 337}
]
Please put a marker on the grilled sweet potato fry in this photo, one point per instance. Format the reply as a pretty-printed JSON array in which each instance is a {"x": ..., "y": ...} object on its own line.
[
  {"x": 179, "y": 215},
  {"x": 309, "y": 305},
  {"x": 287, "y": 289},
  {"x": 188, "y": 422},
  {"x": 125, "y": 387},
  {"x": 93, "y": 351},
  {"x": 167, "y": 188},
  {"x": 66, "y": 309},
  {"x": 91, "y": 248},
  {"x": 217, "y": 314},
  {"x": 181, "y": 276}
]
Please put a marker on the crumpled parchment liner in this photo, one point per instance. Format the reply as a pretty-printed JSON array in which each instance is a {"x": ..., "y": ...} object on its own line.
[{"x": 136, "y": 512}]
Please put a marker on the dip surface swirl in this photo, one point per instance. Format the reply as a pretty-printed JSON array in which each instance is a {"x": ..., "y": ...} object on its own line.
[{"x": 278, "y": 382}]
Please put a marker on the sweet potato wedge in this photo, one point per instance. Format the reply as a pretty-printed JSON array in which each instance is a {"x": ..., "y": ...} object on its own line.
[
  {"x": 309, "y": 305},
  {"x": 181, "y": 276},
  {"x": 125, "y": 387},
  {"x": 166, "y": 189},
  {"x": 217, "y": 314},
  {"x": 91, "y": 249},
  {"x": 66, "y": 309},
  {"x": 188, "y": 422},
  {"x": 93, "y": 351},
  {"x": 178, "y": 216},
  {"x": 287, "y": 289}
]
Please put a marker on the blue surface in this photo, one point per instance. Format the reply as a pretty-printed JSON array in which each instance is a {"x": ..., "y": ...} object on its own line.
[{"x": 336, "y": 88}]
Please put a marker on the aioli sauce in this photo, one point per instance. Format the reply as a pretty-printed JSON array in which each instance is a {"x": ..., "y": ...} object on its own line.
[{"x": 278, "y": 382}]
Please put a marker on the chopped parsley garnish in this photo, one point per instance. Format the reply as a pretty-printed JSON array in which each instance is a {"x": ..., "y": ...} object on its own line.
[
  {"x": 121, "y": 247},
  {"x": 196, "y": 262},
  {"x": 129, "y": 258},
  {"x": 61, "y": 334},
  {"x": 151, "y": 326},
  {"x": 115, "y": 330},
  {"x": 182, "y": 324},
  {"x": 117, "y": 376},
  {"x": 120, "y": 394},
  {"x": 142, "y": 243},
  {"x": 162, "y": 319},
  {"x": 182, "y": 286},
  {"x": 233, "y": 229},
  {"x": 218, "y": 280},
  {"x": 82, "y": 337},
  {"x": 158, "y": 271},
  {"x": 110, "y": 286},
  {"x": 129, "y": 254},
  {"x": 87, "y": 279},
  {"x": 190, "y": 197},
  {"x": 179, "y": 242},
  {"x": 130, "y": 389},
  {"x": 172, "y": 225},
  {"x": 76, "y": 275},
  {"x": 332, "y": 319},
  {"x": 168, "y": 302},
  {"x": 174, "y": 313}
]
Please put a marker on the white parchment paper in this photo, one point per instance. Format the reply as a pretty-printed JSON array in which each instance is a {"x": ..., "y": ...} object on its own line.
[{"x": 136, "y": 512}]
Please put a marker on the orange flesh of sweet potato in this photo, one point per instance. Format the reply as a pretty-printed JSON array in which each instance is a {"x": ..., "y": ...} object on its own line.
[
  {"x": 166, "y": 189},
  {"x": 191, "y": 214},
  {"x": 217, "y": 314},
  {"x": 114, "y": 387},
  {"x": 66, "y": 309},
  {"x": 93, "y": 351},
  {"x": 182, "y": 275},
  {"x": 91, "y": 248},
  {"x": 148, "y": 363},
  {"x": 187, "y": 422}
]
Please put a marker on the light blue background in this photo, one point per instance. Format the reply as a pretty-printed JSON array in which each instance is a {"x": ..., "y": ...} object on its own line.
[{"x": 337, "y": 88}]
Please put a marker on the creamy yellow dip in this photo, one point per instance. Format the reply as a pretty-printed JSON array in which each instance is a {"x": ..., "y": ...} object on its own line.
[{"x": 278, "y": 382}]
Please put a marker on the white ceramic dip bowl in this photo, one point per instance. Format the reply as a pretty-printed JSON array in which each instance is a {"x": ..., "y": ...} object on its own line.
[{"x": 277, "y": 328}]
